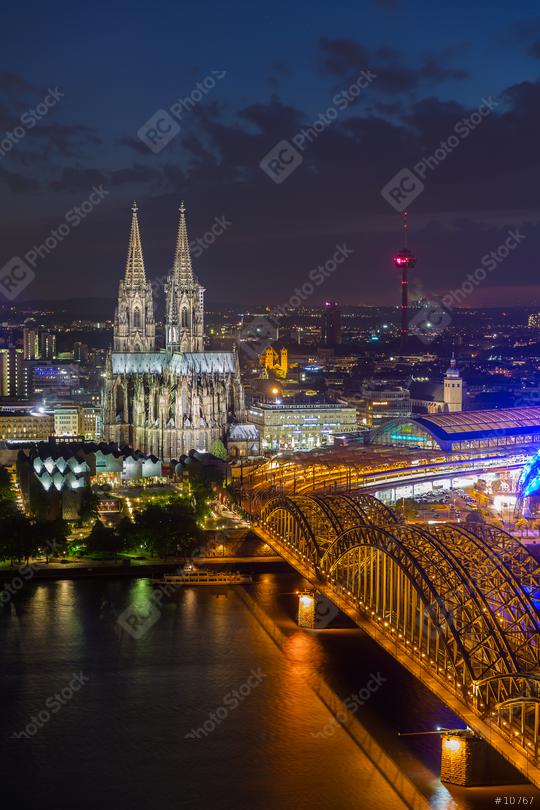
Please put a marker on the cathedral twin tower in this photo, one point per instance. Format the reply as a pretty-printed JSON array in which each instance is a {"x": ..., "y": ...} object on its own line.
[
  {"x": 134, "y": 324},
  {"x": 166, "y": 402}
]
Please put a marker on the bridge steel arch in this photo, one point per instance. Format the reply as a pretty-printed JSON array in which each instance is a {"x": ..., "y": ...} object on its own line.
[
  {"x": 320, "y": 520},
  {"x": 459, "y": 600}
]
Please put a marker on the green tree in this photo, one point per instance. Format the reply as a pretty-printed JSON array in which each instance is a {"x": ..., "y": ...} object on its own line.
[
  {"x": 218, "y": 449},
  {"x": 201, "y": 479},
  {"x": 6, "y": 490},
  {"x": 168, "y": 530}
]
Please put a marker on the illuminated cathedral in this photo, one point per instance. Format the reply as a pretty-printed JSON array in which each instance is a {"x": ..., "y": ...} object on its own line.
[{"x": 167, "y": 402}]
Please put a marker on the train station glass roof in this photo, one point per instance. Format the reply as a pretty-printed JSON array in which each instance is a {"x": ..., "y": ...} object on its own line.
[{"x": 463, "y": 429}]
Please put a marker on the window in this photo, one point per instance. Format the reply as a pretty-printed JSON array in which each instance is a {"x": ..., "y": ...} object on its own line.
[{"x": 136, "y": 318}]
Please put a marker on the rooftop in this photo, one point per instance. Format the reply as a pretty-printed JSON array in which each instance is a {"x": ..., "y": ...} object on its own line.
[
  {"x": 287, "y": 405},
  {"x": 186, "y": 363},
  {"x": 476, "y": 424}
]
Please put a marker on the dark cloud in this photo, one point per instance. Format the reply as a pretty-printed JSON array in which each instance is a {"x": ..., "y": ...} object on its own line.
[
  {"x": 45, "y": 137},
  {"x": 75, "y": 180},
  {"x": 346, "y": 58},
  {"x": 82, "y": 179},
  {"x": 14, "y": 83},
  {"x": 134, "y": 144},
  {"x": 341, "y": 56},
  {"x": 527, "y": 33},
  {"x": 66, "y": 140}
]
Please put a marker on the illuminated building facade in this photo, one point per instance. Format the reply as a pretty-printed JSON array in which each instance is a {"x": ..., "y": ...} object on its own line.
[
  {"x": 12, "y": 379},
  {"x": 30, "y": 343},
  {"x": 300, "y": 426},
  {"x": 41, "y": 423},
  {"x": 25, "y": 426},
  {"x": 167, "y": 403},
  {"x": 449, "y": 396},
  {"x": 274, "y": 362},
  {"x": 66, "y": 420},
  {"x": 380, "y": 402},
  {"x": 52, "y": 476},
  {"x": 453, "y": 388},
  {"x": 47, "y": 345},
  {"x": 38, "y": 344},
  {"x": 50, "y": 379}
]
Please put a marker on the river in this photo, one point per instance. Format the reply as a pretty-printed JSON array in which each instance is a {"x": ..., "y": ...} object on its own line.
[{"x": 200, "y": 709}]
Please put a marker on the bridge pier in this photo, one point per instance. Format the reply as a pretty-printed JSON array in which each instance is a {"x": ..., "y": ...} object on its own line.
[
  {"x": 469, "y": 761},
  {"x": 306, "y": 609},
  {"x": 315, "y": 611}
]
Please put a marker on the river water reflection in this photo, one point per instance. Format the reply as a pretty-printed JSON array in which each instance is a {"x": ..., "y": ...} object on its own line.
[{"x": 202, "y": 710}]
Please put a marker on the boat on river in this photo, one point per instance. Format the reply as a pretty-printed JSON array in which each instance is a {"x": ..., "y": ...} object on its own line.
[{"x": 196, "y": 576}]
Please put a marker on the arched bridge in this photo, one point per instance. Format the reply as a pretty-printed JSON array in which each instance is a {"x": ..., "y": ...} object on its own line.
[{"x": 457, "y": 605}]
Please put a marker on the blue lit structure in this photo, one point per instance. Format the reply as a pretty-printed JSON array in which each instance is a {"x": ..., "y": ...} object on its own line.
[{"x": 529, "y": 482}]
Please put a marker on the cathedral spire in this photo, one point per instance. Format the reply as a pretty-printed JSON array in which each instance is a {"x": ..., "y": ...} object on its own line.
[
  {"x": 182, "y": 257},
  {"x": 135, "y": 273},
  {"x": 134, "y": 323}
]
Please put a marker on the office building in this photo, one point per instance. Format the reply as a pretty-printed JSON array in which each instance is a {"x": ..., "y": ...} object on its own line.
[
  {"x": 331, "y": 324},
  {"x": 301, "y": 425}
]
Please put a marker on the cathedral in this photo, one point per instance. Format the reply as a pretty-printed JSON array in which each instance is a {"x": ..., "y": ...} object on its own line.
[{"x": 167, "y": 402}]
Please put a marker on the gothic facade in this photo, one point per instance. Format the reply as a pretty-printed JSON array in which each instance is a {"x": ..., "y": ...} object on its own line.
[{"x": 170, "y": 401}]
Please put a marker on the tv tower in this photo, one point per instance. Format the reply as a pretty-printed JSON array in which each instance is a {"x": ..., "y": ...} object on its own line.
[{"x": 404, "y": 260}]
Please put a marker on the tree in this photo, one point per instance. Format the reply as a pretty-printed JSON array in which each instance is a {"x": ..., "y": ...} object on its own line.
[
  {"x": 168, "y": 530},
  {"x": 522, "y": 523},
  {"x": 218, "y": 449},
  {"x": 16, "y": 537},
  {"x": 127, "y": 531},
  {"x": 103, "y": 539},
  {"x": 51, "y": 537},
  {"x": 6, "y": 490},
  {"x": 88, "y": 509},
  {"x": 475, "y": 517},
  {"x": 201, "y": 478}
]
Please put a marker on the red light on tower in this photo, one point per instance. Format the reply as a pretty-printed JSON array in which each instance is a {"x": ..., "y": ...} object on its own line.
[{"x": 404, "y": 260}]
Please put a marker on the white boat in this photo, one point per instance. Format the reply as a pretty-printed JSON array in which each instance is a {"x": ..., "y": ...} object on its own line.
[{"x": 193, "y": 576}]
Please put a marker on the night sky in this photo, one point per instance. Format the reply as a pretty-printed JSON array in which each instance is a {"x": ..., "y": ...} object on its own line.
[{"x": 270, "y": 71}]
